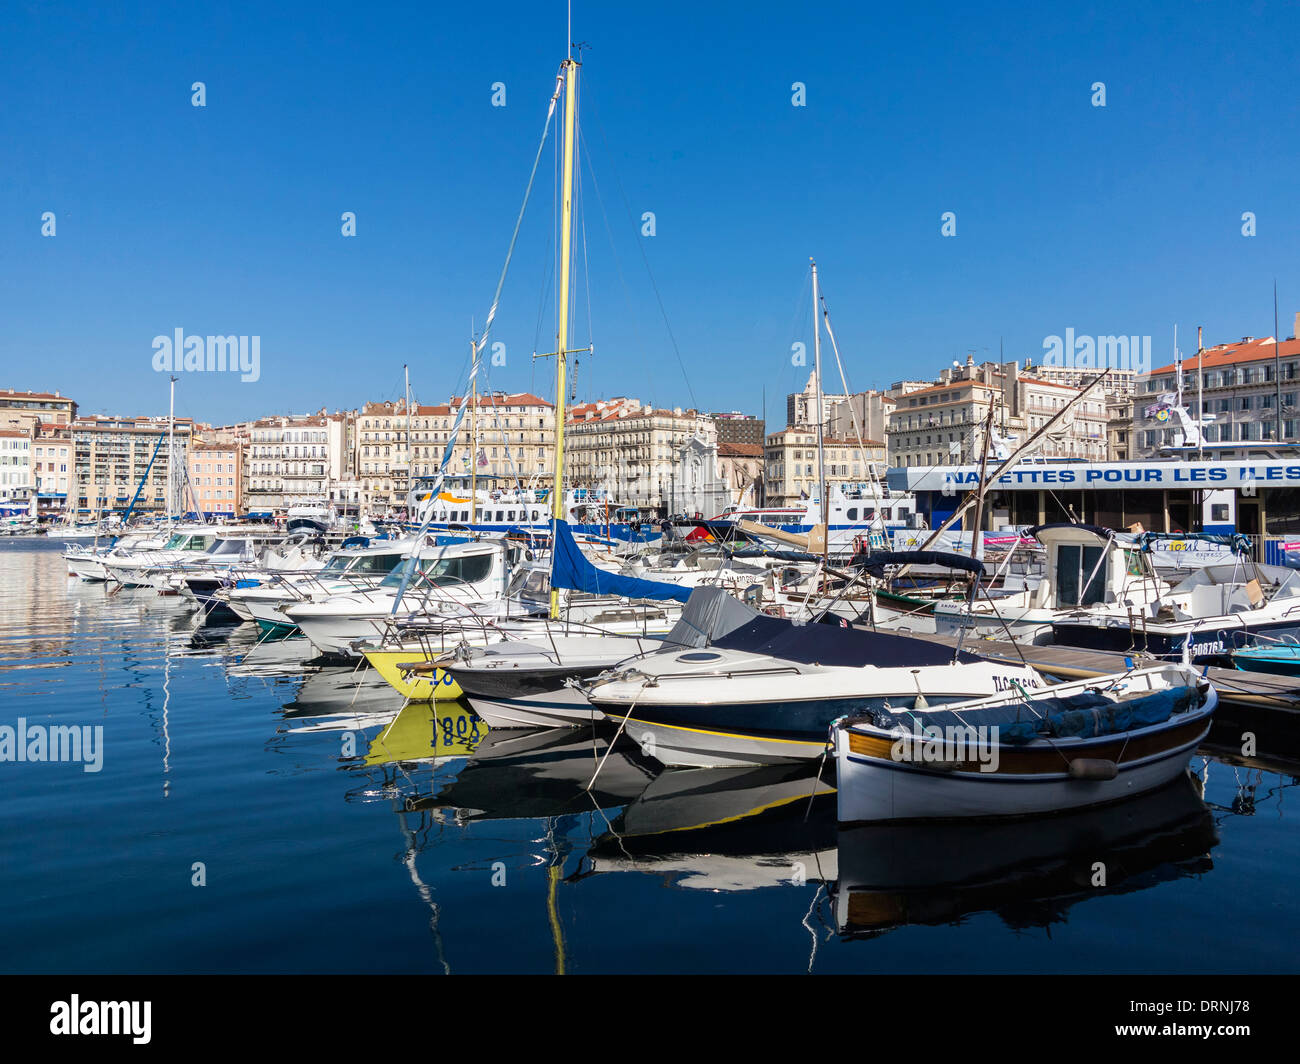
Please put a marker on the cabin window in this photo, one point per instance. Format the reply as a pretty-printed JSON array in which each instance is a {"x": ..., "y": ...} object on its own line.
[
  {"x": 448, "y": 571},
  {"x": 1076, "y": 584},
  {"x": 510, "y": 515},
  {"x": 1219, "y": 513},
  {"x": 853, "y": 513}
]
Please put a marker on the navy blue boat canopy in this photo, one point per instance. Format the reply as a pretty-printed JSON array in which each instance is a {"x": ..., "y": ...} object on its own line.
[
  {"x": 875, "y": 564},
  {"x": 1096, "y": 530},
  {"x": 824, "y": 644}
]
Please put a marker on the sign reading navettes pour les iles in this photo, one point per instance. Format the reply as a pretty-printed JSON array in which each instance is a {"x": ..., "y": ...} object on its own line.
[{"x": 1136, "y": 476}]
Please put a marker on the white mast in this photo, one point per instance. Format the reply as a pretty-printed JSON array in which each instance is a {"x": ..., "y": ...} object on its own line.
[
  {"x": 171, "y": 452},
  {"x": 410, "y": 465},
  {"x": 821, "y": 449}
]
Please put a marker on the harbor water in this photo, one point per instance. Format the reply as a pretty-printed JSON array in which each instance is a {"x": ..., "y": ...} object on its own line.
[{"x": 236, "y": 808}]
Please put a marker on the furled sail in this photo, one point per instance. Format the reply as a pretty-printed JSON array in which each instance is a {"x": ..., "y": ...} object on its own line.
[{"x": 571, "y": 569}]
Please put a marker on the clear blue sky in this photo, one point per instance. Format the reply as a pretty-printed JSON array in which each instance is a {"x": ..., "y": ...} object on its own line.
[{"x": 226, "y": 219}]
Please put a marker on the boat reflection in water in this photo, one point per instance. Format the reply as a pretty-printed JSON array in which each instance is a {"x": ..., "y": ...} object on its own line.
[
  {"x": 725, "y": 829},
  {"x": 520, "y": 775},
  {"x": 1029, "y": 872}
]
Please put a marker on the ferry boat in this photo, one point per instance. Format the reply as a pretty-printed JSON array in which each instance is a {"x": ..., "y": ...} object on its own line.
[
  {"x": 854, "y": 521},
  {"x": 527, "y": 511}
]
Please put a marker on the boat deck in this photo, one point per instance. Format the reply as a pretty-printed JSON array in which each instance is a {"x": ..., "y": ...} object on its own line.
[{"x": 1254, "y": 690}]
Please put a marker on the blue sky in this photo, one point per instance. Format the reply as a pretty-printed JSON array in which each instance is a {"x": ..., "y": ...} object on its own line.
[{"x": 226, "y": 219}]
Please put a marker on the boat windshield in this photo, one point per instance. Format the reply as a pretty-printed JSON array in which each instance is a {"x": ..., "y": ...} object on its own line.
[
  {"x": 440, "y": 572},
  {"x": 373, "y": 564},
  {"x": 337, "y": 564},
  {"x": 530, "y": 581},
  {"x": 229, "y": 546}
]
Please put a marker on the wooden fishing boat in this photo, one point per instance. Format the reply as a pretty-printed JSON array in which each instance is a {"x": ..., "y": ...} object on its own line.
[{"x": 1023, "y": 752}]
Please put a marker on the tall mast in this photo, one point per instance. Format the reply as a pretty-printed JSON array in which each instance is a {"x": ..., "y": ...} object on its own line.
[
  {"x": 171, "y": 450},
  {"x": 562, "y": 333},
  {"x": 1200, "y": 402},
  {"x": 1277, "y": 369},
  {"x": 410, "y": 466},
  {"x": 473, "y": 437},
  {"x": 821, "y": 448}
]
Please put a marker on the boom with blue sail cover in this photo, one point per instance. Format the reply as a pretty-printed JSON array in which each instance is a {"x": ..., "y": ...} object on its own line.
[{"x": 571, "y": 569}]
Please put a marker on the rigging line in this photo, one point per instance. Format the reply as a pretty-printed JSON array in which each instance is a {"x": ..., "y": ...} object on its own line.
[
  {"x": 797, "y": 315},
  {"x": 857, "y": 426},
  {"x": 635, "y": 319},
  {"x": 586, "y": 273},
  {"x": 640, "y": 244},
  {"x": 519, "y": 221},
  {"x": 482, "y": 343}
]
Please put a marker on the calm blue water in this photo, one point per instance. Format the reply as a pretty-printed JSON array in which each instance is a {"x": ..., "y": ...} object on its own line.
[{"x": 336, "y": 835}]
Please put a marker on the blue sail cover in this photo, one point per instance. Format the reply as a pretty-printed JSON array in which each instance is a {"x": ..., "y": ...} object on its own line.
[
  {"x": 570, "y": 568},
  {"x": 1092, "y": 715}
]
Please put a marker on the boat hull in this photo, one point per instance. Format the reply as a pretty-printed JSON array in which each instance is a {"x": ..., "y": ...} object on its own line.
[
  {"x": 415, "y": 687},
  {"x": 747, "y": 733},
  {"x": 564, "y": 708},
  {"x": 1208, "y": 646},
  {"x": 873, "y": 786}
]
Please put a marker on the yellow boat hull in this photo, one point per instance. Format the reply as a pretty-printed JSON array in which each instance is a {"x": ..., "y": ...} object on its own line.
[{"x": 433, "y": 687}]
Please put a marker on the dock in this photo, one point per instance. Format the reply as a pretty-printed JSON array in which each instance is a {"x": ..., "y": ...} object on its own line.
[{"x": 1237, "y": 689}]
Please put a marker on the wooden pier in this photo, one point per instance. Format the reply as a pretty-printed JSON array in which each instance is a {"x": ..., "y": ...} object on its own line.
[{"x": 1243, "y": 690}]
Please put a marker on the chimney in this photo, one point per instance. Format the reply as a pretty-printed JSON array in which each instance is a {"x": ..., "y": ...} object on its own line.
[{"x": 1295, "y": 329}]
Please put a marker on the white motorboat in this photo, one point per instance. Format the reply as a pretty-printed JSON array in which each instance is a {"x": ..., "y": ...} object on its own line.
[
  {"x": 767, "y": 690},
  {"x": 454, "y": 578},
  {"x": 1208, "y": 615}
]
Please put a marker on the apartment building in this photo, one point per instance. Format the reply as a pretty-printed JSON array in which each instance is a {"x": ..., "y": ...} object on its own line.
[
  {"x": 790, "y": 464},
  {"x": 382, "y": 459},
  {"x": 113, "y": 455},
  {"x": 863, "y": 412},
  {"x": 1118, "y": 381},
  {"x": 638, "y": 452},
  {"x": 216, "y": 479},
  {"x": 736, "y": 427},
  {"x": 16, "y": 487},
  {"x": 943, "y": 424},
  {"x": 1247, "y": 392},
  {"x": 741, "y": 469},
  {"x": 801, "y": 407},
  {"x": 28, "y": 410},
  {"x": 514, "y": 435},
  {"x": 292, "y": 461},
  {"x": 53, "y": 458},
  {"x": 1119, "y": 428}
]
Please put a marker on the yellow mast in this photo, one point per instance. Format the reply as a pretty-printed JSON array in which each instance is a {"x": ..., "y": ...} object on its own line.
[{"x": 566, "y": 232}]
